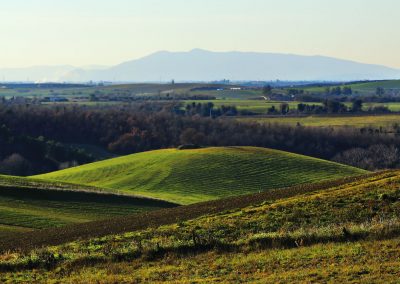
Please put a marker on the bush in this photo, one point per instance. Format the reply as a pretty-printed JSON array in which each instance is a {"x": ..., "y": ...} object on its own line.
[
  {"x": 15, "y": 164},
  {"x": 188, "y": 147},
  {"x": 373, "y": 158}
]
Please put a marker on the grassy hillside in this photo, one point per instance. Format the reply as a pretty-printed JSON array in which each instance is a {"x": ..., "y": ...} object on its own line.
[
  {"x": 348, "y": 231},
  {"x": 189, "y": 176},
  {"x": 30, "y": 204}
]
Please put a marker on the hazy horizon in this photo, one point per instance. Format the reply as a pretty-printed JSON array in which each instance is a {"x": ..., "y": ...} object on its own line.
[
  {"x": 96, "y": 66},
  {"x": 88, "y": 32}
]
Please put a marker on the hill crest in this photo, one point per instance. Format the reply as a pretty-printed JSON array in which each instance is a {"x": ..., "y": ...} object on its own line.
[{"x": 190, "y": 176}]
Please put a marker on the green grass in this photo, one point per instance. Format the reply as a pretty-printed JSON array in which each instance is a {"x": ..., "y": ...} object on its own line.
[
  {"x": 331, "y": 121},
  {"x": 348, "y": 232},
  {"x": 191, "y": 176},
  {"x": 27, "y": 204}
]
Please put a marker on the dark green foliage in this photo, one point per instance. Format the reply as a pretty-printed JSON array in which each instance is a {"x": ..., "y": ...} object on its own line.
[
  {"x": 188, "y": 147},
  {"x": 267, "y": 90},
  {"x": 380, "y": 91},
  {"x": 333, "y": 106},
  {"x": 357, "y": 105},
  {"x": 24, "y": 155}
]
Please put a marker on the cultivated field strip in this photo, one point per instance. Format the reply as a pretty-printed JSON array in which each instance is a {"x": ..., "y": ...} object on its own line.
[
  {"x": 55, "y": 236},
  {"x": 27, "y": 205},
  {"x": 192, "y": 176}
]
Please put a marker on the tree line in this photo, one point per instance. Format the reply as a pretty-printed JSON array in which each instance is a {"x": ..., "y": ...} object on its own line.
[
  {"x": 142, "y": 127},
  {"x": 327, "y": 107}
]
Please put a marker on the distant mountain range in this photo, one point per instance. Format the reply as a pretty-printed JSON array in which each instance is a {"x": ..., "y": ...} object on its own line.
[{"x": 202, "y": 65}]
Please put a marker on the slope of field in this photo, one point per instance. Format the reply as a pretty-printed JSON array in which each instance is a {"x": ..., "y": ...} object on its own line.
[
  {"x": 348, "y": 231},
  {"x": 189, "y": 176},
  {"x": 30, "y": 204}
]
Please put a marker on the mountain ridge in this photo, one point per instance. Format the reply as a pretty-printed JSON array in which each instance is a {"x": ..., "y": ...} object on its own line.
[{"x": 203, "y": 65}]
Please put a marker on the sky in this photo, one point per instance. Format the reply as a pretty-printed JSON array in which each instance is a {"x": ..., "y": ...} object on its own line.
[{"x": 104, "y": 32}]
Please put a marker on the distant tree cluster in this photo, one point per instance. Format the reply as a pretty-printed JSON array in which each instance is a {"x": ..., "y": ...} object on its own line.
[
  {"x": 380, "y": 91},
  {"x": 372, "y": 158},
  {"x": 295, "y": 92},
  {"x": 24, "y": 155},
  {"x": 267, "y": 90},
  {"x": 209, "y": 110},
  {"x": 337, "y": 91},
  {"x": 327, "y": 107}
]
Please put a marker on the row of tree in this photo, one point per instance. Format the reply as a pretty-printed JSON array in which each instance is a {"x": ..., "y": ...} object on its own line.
[
  {"x": 209, "y": 110},
  {"x": 337, "y": 91},
  {"x": 327, "y": 107}
]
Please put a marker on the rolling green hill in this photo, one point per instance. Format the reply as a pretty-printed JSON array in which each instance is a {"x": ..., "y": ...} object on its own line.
[
  {"x": 344, "y": 231},
  {"x": 27, "y": 204},
  {"x": 190, "y": 176}
]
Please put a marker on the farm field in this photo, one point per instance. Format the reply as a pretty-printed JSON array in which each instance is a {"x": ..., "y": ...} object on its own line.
[
  {"x": 244, "y": 99},
  {"x": 39, "y": 90},
  {"x": 347, "y": 230},
  {"x": 190, "y": 176},
  {"x": 330, "y": 121},
  {"x": 365, "y": 88},
  {"x": 69, "y": 90},
  {"x": 231, "y": 94},
  {"x": 30, "y": 204}
]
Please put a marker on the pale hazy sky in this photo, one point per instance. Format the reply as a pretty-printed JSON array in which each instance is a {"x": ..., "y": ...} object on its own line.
[{"x": 85, "y": 32}]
